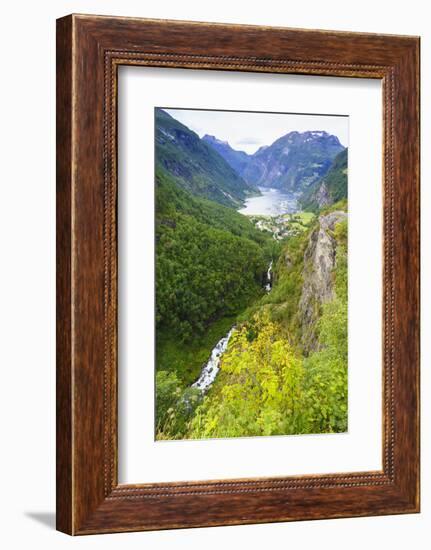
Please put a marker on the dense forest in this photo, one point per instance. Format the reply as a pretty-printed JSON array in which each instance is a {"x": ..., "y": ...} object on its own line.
[{"x": 280, "y": 295}]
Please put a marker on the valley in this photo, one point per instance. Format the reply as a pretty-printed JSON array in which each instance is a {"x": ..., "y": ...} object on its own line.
[{"x": 251, "y": 287}]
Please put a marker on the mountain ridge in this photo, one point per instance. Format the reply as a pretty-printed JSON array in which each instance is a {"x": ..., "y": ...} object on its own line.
[
  {"x": 196, "y": 166},
  {"x": 311, "y": 164},
  {"x": 293, "y": 162},
  {"x": 238, "y": 160}
]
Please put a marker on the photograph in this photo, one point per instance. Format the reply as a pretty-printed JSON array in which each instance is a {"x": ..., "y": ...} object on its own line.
[
  {"x": 215, "y": 274},
  {"x": 251, "y": 273}
]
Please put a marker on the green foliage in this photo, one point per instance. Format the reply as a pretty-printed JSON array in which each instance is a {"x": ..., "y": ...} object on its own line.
[
  {"x": 210, "y": 262},
  {"x": 195, "y": 165},
  {"x": 304, "y": 218},
  {"x": 265, "y": 387},
  {"x": 325, "y": 384},
  {"x": 281, "y": 304},
  {"x": 186, "y": 358},
  {"x": 168, "y": 391},
  {"x": 326, "y": 381},
  {"x": 260, "y": 394},
  {"x": 175, "y": 405},
  {"x": 211, "y": 265},
  {"x": 335, "y": 181},
  {"x": 172, "y": 200},
  {"x": 340, "y": 205}
]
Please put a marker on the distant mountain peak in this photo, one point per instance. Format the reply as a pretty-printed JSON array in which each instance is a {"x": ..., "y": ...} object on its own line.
[
  {"x": 196, "y": 165},
  {"x": 293, "y": 161},
  {"x": 317, "y": 133},
  {"x": 236, "y": 159},
  {"x": 212, "y": 139}
]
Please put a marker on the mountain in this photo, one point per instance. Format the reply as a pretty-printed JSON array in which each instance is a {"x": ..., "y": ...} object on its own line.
[
  {"x": 195, "y": 165},
  {"x": 294, "y": 161},
  {"x": 238, "y": 160},
  {"x": 329, "y": 189}
]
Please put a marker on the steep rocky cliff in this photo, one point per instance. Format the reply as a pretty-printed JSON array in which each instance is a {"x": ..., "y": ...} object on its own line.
[
  {"x": 329, "y": 189},
  {"x": 293, "y": 162},
  {"x": 238, "y": 160},
  {"x": 318, "y": 287},
  {"x": 322, "y": 196}
]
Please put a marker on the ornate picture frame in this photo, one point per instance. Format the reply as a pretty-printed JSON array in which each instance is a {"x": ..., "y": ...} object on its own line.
[{"x": 89, "y": 51}]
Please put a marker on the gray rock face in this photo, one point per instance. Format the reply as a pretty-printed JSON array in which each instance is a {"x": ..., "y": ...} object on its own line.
[
  {"x": 329, "y": 189},
  {"x": 322, "y": 196},
  {"x": 237, "y": 159},
  {"x": 318, "y": 287},
  {"x": 294, "y": 162}
]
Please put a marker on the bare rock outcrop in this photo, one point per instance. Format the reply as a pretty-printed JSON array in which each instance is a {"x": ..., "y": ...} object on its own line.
[
  {"x": 318, "y": 287},
  {"x": 323, "y": 197}
]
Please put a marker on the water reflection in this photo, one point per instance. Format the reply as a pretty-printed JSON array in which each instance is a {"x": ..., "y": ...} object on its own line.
[{"x": 272, "y": 202}]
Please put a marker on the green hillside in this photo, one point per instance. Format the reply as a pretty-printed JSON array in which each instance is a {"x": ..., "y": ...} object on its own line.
[
  {"x": 267, "y": 386},
  {"x": 251, "y": 311},
  {"x": 196, "y": 166},
  {"x": 211, "y": 262},
  {"x": 329, "y": 189}
]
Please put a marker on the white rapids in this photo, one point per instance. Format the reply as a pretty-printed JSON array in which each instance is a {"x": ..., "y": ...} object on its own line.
[
  {"x": 268, "y": 285},
  {"x": 212, "y": 367}
]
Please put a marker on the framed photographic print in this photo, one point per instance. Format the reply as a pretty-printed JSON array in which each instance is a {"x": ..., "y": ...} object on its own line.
[{"x": 237, "y": 274}]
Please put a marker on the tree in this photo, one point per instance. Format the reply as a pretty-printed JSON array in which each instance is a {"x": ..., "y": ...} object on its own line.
[{"x": 261, "y": 390}]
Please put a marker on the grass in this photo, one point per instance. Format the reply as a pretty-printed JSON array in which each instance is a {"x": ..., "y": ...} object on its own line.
[
  {"x": 297, "y": 225},
  {"x": 305, "y": 218}
]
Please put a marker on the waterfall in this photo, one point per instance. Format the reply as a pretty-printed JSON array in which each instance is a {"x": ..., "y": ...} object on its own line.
[
  {"x": 268, "y": 285},
  {"x": 212, "y": 366}
]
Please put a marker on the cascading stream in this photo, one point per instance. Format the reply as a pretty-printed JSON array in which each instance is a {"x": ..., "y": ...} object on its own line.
[
  {"x": 212, "y": 366},
  {"x": 268, "y": 285}
]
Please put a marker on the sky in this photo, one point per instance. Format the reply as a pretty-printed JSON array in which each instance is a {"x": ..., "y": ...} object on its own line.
[{"x": 247, "y": 131}]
